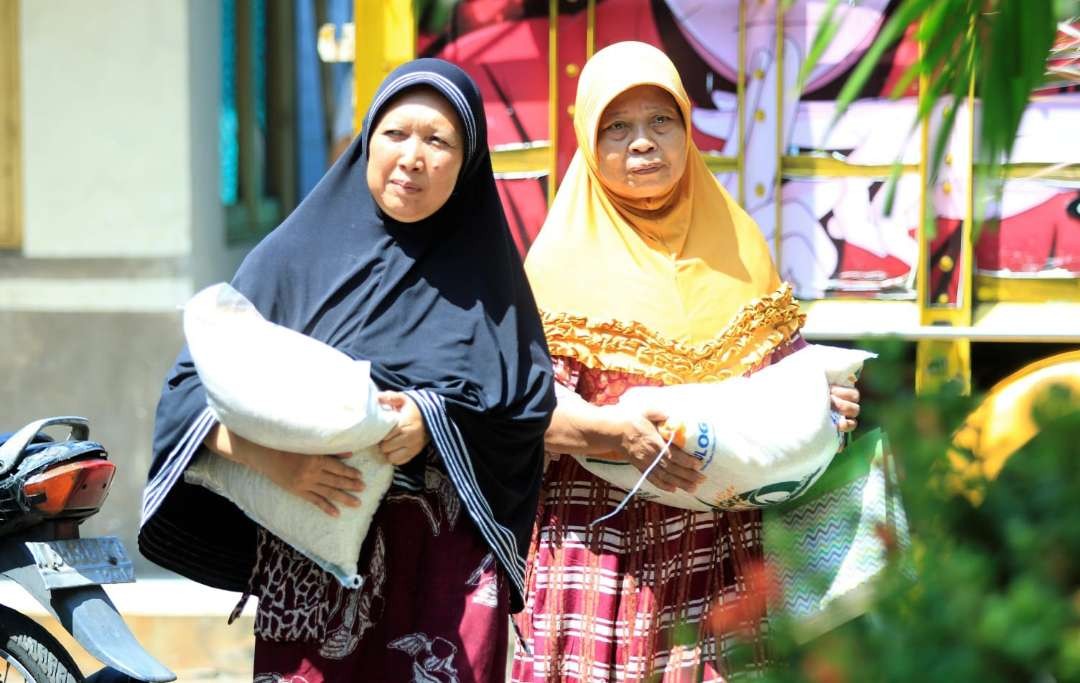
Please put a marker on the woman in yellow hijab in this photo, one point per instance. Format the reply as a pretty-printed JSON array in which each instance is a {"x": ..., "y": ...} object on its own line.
[{"x": 645, "y": 272}]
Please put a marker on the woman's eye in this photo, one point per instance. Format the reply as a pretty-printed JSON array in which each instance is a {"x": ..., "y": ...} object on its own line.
[
  {"x": 438, "y": 142},
  {"x": 661, "y": 119},
  {"x": 394, "y": 133}
]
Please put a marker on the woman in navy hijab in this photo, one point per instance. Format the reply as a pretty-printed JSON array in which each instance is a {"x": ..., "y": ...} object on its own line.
[{"x": 401, "y": 256}]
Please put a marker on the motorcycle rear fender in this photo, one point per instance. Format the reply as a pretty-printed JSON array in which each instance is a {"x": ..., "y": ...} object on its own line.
[{"x": 88, "y": 615}]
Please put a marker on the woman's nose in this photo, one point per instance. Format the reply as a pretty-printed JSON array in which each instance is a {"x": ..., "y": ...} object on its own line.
[
  {"x": 642, "y": 143},
  {"x": 410, "y": 154}
]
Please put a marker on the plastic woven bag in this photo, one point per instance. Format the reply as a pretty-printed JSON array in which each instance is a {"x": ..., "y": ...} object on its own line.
[
  {"x": 287, "y": 391},
  {"x": 762, "y": 440},
  {"x": 826, "y": 548}
]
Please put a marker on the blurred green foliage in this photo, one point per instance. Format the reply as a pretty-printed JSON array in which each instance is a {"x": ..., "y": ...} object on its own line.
[
  {"x": 996, "y": 590},
  {"x": 995, "y": 50}
]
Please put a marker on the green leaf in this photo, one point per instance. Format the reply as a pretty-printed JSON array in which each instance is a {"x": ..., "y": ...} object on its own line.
[
  {"x": 890, "y": 186},
  {"x": 945, "y": 35},
  {"x": 825, "y": 34},
  {"x": 943, "y": 135},
  {"x": 905, "y": 80},
  {"x": 905, "y": 15}
]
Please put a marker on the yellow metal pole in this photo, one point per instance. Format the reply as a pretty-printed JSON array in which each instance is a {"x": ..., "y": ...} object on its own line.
[
  {"x": 922, "y": 273},
  {"x": 778, "y": 239},
  {"x": 967, "y": 263},
  {"x": 553, "y": 98},
  {"x": 940, "y": 362},
  {"x": 385, "y": 39},
  {"x": 924, "y": 349},
  {"x": 590, "y": 29},
  {"x": 740, "y": 105}
]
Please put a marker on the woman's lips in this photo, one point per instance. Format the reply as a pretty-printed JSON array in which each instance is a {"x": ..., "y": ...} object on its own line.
[
  {"x": 646, "y": 169},
  {"x": 405, "y": 186}
]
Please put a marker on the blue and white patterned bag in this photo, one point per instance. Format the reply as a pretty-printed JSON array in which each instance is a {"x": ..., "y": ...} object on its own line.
[{"x": 826, "y": 548}]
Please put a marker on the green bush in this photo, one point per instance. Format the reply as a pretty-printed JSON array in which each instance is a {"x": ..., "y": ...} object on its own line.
[{"x": 996, "y": 588}]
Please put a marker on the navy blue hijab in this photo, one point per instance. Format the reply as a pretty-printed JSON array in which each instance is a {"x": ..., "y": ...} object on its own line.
[{"x": 440, "y": 307}]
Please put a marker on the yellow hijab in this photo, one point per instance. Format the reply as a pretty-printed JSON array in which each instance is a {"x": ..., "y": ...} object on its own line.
[{"x": 679, "y": 287}]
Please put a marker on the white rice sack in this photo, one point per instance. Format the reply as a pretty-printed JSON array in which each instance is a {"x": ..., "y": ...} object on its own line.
[
  {"x": 333, "y": 543},
  {"x": 275, "y": 386},
  {"x": 284, "y": 390},
  {"x": 762, "y": 439}
]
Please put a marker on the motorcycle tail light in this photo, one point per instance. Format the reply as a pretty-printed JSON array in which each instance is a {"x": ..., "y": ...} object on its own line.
[{"x": 74, "y": 487}]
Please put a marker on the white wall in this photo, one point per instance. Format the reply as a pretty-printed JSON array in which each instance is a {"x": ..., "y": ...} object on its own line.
[
  {"x": 120, "y": 104},
  {"x": 105, "y": 103}
]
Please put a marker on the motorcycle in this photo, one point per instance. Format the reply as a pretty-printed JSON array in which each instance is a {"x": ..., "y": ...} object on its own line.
[{"x": 47, "y": 489}]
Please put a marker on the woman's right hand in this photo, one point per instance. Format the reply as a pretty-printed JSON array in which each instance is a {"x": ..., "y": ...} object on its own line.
[
  {"x": 640, "y": 443},
  {"x": 322, "y": 480}
]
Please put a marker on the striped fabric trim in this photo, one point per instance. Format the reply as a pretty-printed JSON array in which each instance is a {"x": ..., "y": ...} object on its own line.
[
  {"x": 447, "y": 88},
  {"x": 447, "y": 438},
  {"x": 680, "y": 664},
  {"x": 175, "y": 464},
  {"x": 404, "y": 481}
]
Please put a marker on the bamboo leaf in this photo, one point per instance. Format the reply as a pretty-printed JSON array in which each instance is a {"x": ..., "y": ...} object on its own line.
[
  {"x": 944, "y": 39},
  {"x": 999, "y": 45},
  {"x": 1022, "y": 34},
  {"x": 905, "y": 80},
  {"x": 930, "y": 25},
  {"x": 825, "y": 35},
  {"x": 1065, "y": 10},
  {"x": 935, "y": 88},
  {"x": 894, "y": 28},
  {"x": 942, "y": 136},
  {"x": 890, "y": 187}
]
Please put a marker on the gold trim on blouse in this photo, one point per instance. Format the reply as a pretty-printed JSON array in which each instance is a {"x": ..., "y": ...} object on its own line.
[{"x": 757, "y": 329}]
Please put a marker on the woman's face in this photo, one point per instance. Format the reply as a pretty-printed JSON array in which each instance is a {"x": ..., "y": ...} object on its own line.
[
  {"x": 641, "y": 143},
  {"x": 416, "y": 152}
]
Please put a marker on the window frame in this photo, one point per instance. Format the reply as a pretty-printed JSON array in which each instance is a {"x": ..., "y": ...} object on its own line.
[
  {"x": 11, "y": 207},
  {"x": 267, "y": 177}
]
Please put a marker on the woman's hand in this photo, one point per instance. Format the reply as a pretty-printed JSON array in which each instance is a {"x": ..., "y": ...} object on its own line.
[
  {"x": 845, "y": 401},
  {"x": 322, "y": 480},
  {"x": 409, "y": 435},
  {"x": 640, "y": 442}
]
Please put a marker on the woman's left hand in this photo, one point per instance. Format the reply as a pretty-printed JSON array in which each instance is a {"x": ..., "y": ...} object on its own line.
[
  {"x": 845, "y": 401},
  {"x": 409, "y": 435}
]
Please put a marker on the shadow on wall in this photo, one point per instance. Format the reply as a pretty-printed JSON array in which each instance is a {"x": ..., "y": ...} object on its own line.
[{"x": 107, "y": 367}]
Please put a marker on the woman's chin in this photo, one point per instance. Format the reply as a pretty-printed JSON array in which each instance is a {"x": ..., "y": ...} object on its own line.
[
  {"x": 404, "y": 212},
  {"x": 645, "y": 186}
]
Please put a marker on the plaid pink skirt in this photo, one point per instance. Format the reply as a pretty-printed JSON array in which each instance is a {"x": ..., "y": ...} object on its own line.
[{"x": 654, "y": 594}]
